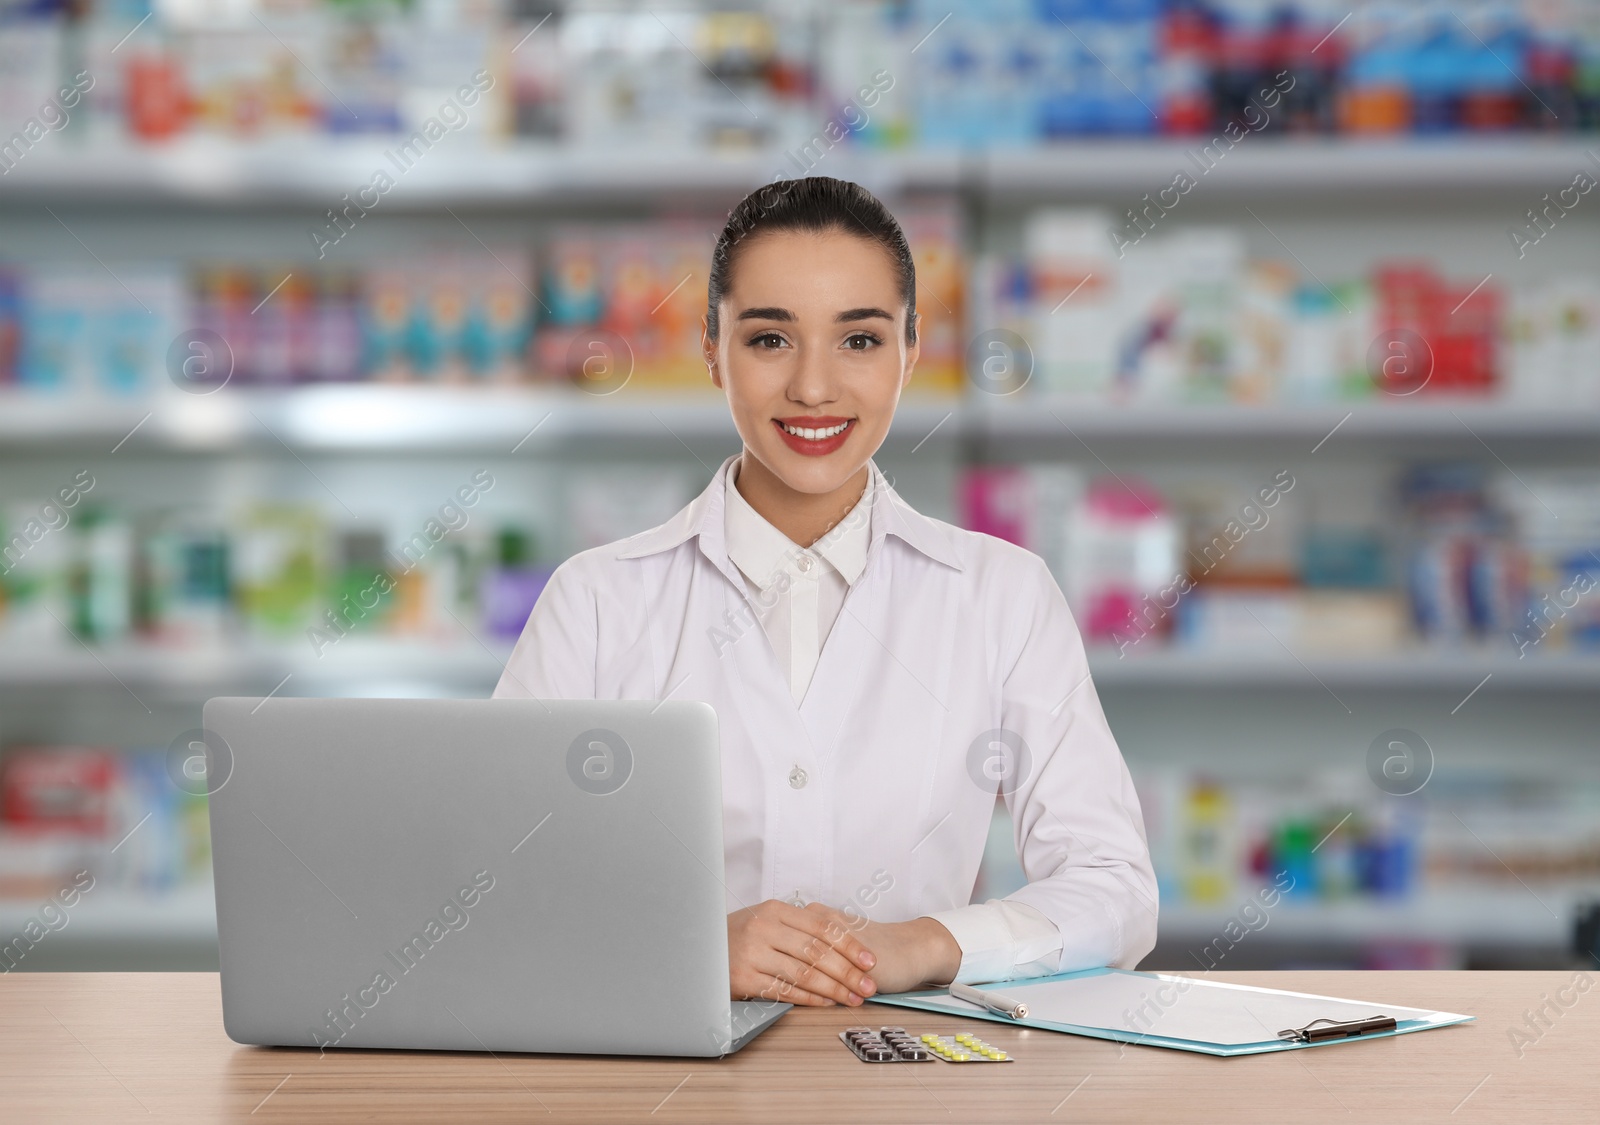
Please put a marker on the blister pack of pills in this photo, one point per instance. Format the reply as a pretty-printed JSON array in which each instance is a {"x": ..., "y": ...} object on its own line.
[
  {"x": 963, "y": 1048},
  {"x": 887, "y": 1044},
  {"x": 895, "y": 1044}
]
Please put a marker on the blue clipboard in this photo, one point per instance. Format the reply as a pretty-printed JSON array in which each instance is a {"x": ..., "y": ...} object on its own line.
[{"x": 1178, "y": 1012}]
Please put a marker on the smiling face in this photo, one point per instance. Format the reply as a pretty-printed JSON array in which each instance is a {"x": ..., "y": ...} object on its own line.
[{"x": 812, "y": 355}]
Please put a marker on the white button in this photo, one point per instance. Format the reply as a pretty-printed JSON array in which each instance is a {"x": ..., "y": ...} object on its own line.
[
  {"x": 805, "y": 563},
  {"x": 797, "y": 778}
]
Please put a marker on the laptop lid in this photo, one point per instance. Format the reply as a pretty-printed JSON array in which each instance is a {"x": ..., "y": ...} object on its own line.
[{"x": 506, "y": 875}]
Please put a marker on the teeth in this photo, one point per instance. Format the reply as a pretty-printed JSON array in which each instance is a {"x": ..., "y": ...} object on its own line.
[{"x": 815, "y": 435}]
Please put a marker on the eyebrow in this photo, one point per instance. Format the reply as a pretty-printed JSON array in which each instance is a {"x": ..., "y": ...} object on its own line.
[
  {"x": 868, "y": 313},
  {"x": 773, "y": 312}
]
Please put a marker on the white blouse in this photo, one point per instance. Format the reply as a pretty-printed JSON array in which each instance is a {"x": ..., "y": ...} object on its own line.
[
  {"x": 796, "y": 591},
  {"x": 898, "y": 681}
]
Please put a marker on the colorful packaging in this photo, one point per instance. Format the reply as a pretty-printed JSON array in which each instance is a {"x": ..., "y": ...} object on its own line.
[
  {"x": 182, "y": 590},
  {"x": 57, "y": 349},
  {"x": 57, "y": 789},
  {"x": 1075, "y": 289},
  {"x": 500, "y": 323},
  {"x": 385, "y": 321},
  {"x": 281, "y": 565},
  {"x": 101, "y": 577},
  {"x": 936, "y": 240}
]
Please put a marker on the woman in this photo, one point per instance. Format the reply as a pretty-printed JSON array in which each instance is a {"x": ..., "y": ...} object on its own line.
[{"x": 878, "y": 676}]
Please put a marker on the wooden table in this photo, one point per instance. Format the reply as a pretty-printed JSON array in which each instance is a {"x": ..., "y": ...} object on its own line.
[{"x": 83, "y": 1047}]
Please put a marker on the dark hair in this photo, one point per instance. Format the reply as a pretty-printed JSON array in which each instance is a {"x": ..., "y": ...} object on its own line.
[{"x": 817, "y": 204}]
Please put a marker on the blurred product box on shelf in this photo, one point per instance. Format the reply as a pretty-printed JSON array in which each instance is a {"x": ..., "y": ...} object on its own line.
[
  {"x": 624, "y": 306},
  {"x": 280, "y": 572},
  {"x": 615, "y": 305},
  {"x": 444, "y": 318},
  {"x": 1466, "y": 573},
  {"x": 78, "y": 330},
  {"x": 938, "y": 249},
  {"x": 1324, "y": 869},
  {"x": 768, "y": 75},
  {"x": 1130, "y": 311},
  {"x": 1324, "y": 838},
  {"x": 1559, "y": 520},
  {"x": 1553, "y": 341},
  {"x": 62, "y": 791},
  {"x": 1329, "y": 622},
  {"x": 117, "y": 814},
  {"x": 1212, "y": 563},
  {"x": 687, "y": 76}
]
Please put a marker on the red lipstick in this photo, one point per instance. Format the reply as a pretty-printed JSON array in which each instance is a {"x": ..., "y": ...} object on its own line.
[{"x": 814, "y": 447}]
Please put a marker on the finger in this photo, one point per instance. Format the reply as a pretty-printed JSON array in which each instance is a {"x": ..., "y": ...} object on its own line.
[
  {"x": 844, "y": 949},
  {"x": 774, "y": 987},
  {"x": 838, "y": 924},
  {"x": 816, "y": 953},
  {"x": 834, "y": 927},
  {"x": 806, "y": 976}
]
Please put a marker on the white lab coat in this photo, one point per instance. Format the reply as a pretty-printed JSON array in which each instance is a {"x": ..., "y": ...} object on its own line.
[{"x": 875, "y": 793}]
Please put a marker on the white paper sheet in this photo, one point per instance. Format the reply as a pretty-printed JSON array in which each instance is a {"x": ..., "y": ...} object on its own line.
[{"x": 1204, "y": 1011}]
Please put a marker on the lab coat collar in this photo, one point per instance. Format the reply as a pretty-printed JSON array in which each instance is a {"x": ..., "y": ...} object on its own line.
[
  {"x": 703, "y": 518},
  {"x": 762, "y": 552}
]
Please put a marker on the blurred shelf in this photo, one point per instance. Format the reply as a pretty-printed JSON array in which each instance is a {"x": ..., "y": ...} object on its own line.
[
  {"x": 374, "y": 417},
  {"x": 467, "y": 172},
  {"x": 357, "y": 417},
  {"x": 1512, "y": 917},
  {"x": 1419, "y": 668},
  {"x": 1440, "y": 418},
  {"x": 355, "y": 665},
  {"x": 464, "y": 172},
  {"x": 376, "y": 666},
  {"x": 186, "y": 914},
  {"x": 1515, "y": 916},
  {"x": 1410, "y": 165}
]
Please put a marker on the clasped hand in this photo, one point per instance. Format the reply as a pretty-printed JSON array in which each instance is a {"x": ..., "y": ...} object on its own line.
[{"x": 816, "y": 955}]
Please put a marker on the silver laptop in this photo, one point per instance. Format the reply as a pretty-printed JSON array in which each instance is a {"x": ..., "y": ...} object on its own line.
[{"x": 475, "y": 875}]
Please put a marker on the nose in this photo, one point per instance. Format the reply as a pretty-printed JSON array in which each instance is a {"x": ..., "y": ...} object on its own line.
[{"x": 814, "y": 380}]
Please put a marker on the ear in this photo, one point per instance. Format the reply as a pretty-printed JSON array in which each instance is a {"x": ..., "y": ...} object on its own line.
[
  {"x": 708, "y": 351},
  {"x": 913, "y": 352}
]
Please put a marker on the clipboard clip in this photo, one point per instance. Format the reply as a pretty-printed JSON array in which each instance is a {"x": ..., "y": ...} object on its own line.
[{"x": 1333, "y": 1029}]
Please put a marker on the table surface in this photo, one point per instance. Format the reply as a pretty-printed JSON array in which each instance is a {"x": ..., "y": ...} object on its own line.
[{"x": 81, "y": 1047}]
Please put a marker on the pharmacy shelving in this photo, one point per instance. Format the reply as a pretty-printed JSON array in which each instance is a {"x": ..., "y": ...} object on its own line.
[
  {"x": 357, "y": 417},
  {"x": 1535, "y": 915},
  {"x": 1539, "y": 915},
  {"x": 1269, "y": 165},
  {"x": 470, "y": 662},
  {"x": 186, "y": 913},
  {"x": 1409, "y": 670},
  {"x": 464, "y": 662},
  {"x": 194, "y": 194},
  {"x": 464, "y": 171},
  {"x": 1389, "y": 418}
]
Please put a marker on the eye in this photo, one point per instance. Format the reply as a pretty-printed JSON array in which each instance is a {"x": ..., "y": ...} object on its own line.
[
  {"x": 861, "y": 341},
  {"x": 771, "y": 341}
]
